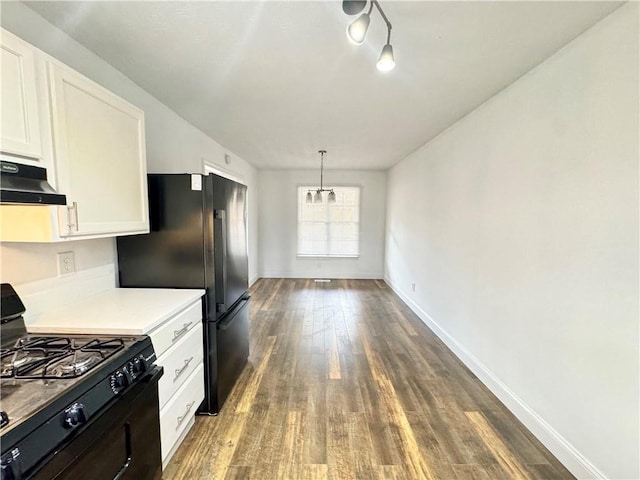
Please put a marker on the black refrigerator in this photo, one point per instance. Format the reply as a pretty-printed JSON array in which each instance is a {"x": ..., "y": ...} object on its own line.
[{"x": 198, "y": 239}]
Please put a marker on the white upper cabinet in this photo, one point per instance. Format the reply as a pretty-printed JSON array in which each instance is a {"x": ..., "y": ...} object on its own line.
[
  {"x": 91, "y": 142},
  {"x": 99, "y": 151},
  {"x": 20, "y": 127}
]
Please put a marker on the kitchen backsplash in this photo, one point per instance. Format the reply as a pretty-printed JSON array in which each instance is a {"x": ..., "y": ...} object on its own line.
[{"x": 29, "y": 262}]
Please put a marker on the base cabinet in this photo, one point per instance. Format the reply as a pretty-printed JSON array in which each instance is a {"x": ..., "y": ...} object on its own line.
[
  {"x": 178, "y": 343},
  {"x": 177, "y": 416}
]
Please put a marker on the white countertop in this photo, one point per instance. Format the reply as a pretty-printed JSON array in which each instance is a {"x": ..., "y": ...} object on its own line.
[{"x": 119, "y": 311}]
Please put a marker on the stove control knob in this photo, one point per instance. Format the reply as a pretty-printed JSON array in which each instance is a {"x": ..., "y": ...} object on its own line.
[
  {"x": 10, "y": 465},
  {"x": 74, "y": 416},
  {"x": 136, "y": 367},
  {"x": 119, "y": 382},
  {"x": 4, "y": 418}
]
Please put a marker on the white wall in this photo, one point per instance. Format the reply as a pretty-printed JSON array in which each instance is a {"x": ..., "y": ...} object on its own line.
[
  {"x": 279, "y": 216},
  {"x": 173, "y": 144},
  {"x": 519, "y": 226}
]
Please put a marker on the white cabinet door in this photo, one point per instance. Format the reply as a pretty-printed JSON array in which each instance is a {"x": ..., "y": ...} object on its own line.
[
  {"x": 20, "y": 127},
  {"x": 99, "y": 153}
]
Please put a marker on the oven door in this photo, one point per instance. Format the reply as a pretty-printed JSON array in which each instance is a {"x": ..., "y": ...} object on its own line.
[{"x": 122, "y": 443}]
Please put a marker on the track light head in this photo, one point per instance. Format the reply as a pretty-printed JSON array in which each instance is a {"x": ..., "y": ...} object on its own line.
[
  {"x": 386, "y": 61},
  {"x": 353, "y": 7},
  {"x": 357, "y": 30}
]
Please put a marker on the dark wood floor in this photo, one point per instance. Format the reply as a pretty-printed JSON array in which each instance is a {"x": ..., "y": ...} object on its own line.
[{"x": 344, "y": 381}]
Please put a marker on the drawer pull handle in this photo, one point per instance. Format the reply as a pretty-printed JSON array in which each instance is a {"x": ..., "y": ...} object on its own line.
[
  {"x": 180, "y": 371},
  {"x": 182, "y": 417},
  {"x": 178, "y": 333}
]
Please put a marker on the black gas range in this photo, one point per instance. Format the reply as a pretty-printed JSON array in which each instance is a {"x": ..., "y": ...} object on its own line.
[{"x": 76, "y": 406}]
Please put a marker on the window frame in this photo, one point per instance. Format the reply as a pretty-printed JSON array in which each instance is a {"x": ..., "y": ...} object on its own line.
[{"x": 305, "y": 187}]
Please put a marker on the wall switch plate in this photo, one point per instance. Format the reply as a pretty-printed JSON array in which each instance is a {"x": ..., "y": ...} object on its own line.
[{"x": 66, "y": 263}]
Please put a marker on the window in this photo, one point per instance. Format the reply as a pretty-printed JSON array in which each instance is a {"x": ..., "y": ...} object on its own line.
[{"x": 329, "y": 229}]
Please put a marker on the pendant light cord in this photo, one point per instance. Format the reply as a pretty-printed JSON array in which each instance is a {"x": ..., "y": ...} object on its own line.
[{"x": 322, "y": 152}]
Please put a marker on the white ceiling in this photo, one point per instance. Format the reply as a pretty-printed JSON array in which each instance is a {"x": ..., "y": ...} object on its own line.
[{"x": 275, "y": 81}]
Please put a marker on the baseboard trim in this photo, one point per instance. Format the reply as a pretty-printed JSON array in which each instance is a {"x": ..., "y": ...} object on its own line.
[
  {"x": 339, "y": 276},
  {"x": 566, "y": 453},
  {"x": 253, "y": 279}
]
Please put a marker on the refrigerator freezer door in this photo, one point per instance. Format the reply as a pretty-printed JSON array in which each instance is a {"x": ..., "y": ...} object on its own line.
[
  {"x": 227, "y": 354},
  {"x": 233, "y": 348}
]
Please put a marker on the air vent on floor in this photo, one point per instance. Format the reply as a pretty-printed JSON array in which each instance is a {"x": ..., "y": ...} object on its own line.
[{"x": 322, "y": 280}]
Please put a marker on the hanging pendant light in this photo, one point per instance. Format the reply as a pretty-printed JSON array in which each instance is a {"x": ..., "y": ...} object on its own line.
[
  {"x": 357, "y": 30},
  {"x": 317, "y": 196},
  {"x": 386, "y": 61}
]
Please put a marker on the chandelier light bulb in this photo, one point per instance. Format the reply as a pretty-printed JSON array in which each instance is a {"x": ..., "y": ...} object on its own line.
[
  {"x": 386, "y": 61},
  {"x": 309, "y": 197},
  {"x": 357, "y": 30},
  {"x": 317, "y": 198},
  {"x": 331, "y": 198}
]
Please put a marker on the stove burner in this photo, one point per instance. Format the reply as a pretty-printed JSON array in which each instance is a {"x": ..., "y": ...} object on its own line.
[
  {"x": 76, "y": 367},
  {"x": 56, "y": 357}
]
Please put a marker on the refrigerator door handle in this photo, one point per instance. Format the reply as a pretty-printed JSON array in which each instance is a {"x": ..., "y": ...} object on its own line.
[
  {"x": 222, "y": 216},
  {"x": 224, "y": 325}
]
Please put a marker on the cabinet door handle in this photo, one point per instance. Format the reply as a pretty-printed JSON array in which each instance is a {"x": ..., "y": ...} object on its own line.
[
  {"x": 180, "y": 371},
  {"x": 178, "y": 333},
  {"x": 186, "y": 413},
  {"x": 72, "y": 217}
]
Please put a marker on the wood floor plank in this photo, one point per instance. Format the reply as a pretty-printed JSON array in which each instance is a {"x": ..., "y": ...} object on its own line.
[
  {"x": 292, "y": 447},
  {"x": 249, "y": 394},
  {"x": 315, "y": 431},
  {"x": 345, "y": 382},
  {"x": 416, "y": 464},
  {"x": 502, "y": 453}
]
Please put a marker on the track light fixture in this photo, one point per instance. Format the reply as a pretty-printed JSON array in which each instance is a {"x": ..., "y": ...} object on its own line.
[
  {"x": 353, "y": 7},
  {"x": 317, "y": 197},
  {"x": 357, "y": 30}
]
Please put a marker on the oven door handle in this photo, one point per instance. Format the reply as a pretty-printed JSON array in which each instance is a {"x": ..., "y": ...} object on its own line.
[
  {"x": 128, "y": 460},
  {"x": 124, "y": 468}
]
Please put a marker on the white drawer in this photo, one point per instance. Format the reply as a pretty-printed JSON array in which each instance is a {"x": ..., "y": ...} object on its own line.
[
  {"x": 178, "y": 362},
  {"x": 176, "y": 415},
  {"x": 175, "y": 328}
]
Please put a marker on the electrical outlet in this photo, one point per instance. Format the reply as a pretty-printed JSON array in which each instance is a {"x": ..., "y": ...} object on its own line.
[
  {"x": 413, "y": 287},
  {"x": 66, "y": 263}
]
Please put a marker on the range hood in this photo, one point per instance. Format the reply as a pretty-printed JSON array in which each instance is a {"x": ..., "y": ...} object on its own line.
[{"x": 25, "y": 184}]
